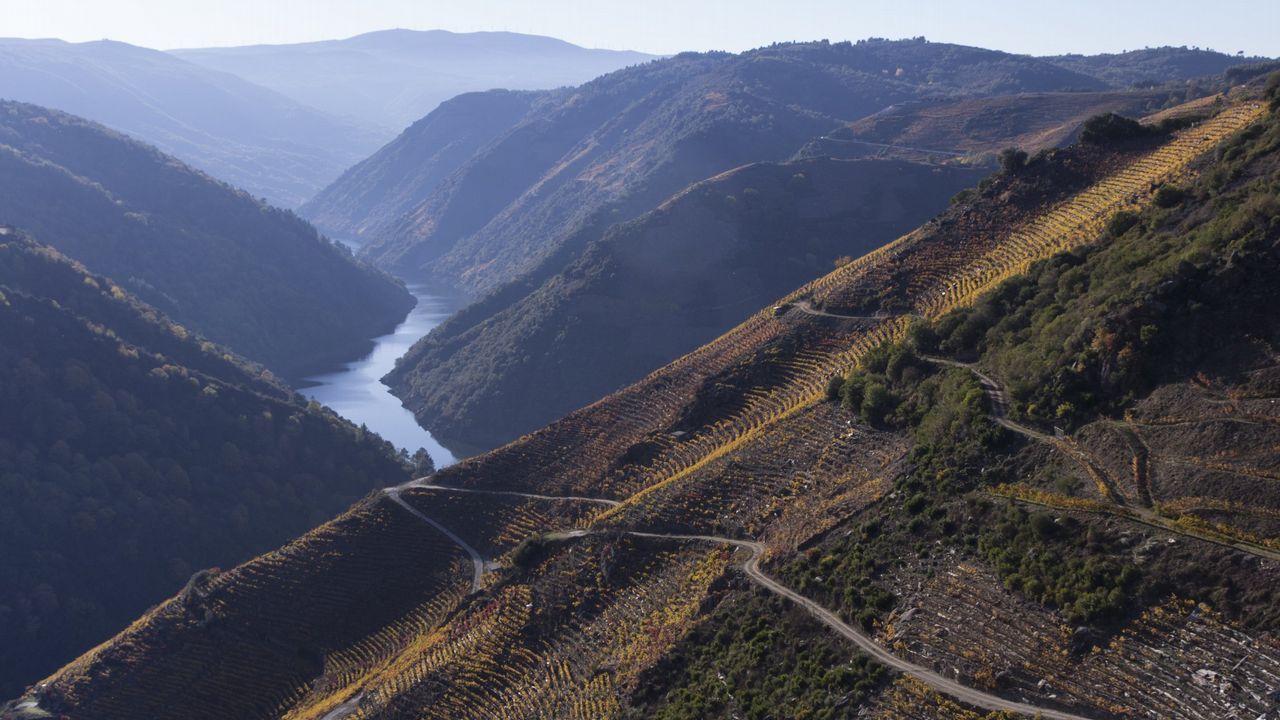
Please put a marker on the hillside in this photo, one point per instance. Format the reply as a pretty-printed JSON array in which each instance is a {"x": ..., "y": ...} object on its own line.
[
  {"x": 617, "y": 146},
  {"x": 391, "y": 78},
  {"x": 896, "y": 546},
  {"x": 375, "y": 192},
  {"x": 133, "y": 454},
  {"x": 252, "y": 277},
  {"x": 717, "y": 250},
  {"x": 978, "y": 126},
  {"x": 238, "y": 132},
  {"x": 521, "y": 211},
  {"x": 1150, "y": 66}
]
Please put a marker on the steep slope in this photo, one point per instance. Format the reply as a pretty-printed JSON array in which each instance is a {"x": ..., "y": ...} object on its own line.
[
  {"x": 1150, "y": 66},
  {"x": 236, "y": 131},
  {"x": 392, "y": 78},
  {"x": 252, "y": 277},
  {"x": 375, "y": 192},
  {"x": 654, "y": 288},
  {"x": 735, "y": 449},
  {"x": 615, "y": 147},
  {"x": 134, "y": 454}
]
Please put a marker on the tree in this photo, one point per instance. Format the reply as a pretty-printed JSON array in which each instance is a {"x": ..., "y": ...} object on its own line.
[
  {"x": 423, "y": 465},
  {"x": 1012, "y": 160},
  {"x": 1110, "y": 127}
]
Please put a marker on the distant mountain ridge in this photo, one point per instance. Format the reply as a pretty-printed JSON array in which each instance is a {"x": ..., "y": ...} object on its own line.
[
  {"x": 1151, "y": 66},
  {"x": 246, "y": 135},
  {"x": 391, "y": 78},
  {"x": 255, "y": 278}
]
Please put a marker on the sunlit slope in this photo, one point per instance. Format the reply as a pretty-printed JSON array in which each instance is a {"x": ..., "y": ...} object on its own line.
[{"x": 564, "y": 627}]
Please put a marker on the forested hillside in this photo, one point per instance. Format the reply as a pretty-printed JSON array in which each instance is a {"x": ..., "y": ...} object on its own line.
[
  {"x": 655, "y": 287},
  {"x": 133, "y": 454},
  {"x": 1017, "y": 463},
  {"x": 253, "y": 277},
  {"x": 238, "y": 132}
]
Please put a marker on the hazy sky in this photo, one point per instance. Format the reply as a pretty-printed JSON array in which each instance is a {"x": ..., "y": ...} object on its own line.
[{"x": 667, "y": 26}]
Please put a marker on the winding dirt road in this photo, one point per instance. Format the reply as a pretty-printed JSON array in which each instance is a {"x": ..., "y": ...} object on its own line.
[
  {"x": 752, "y": 569},
  {"x": 477, "y": 578},
  {"x": 939, "y": 683},
  {"x": 422, "y": 483},
  {"x": 807, "y": 308}
]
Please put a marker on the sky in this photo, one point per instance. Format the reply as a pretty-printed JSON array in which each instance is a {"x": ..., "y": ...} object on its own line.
[{"x": 668, "y": 26}]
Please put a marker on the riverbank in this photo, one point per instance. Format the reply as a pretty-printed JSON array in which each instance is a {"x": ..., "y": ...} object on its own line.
[{"x": 356, "y": 391}]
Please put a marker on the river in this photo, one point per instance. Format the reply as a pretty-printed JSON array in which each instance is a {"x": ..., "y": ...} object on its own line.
[{"x": 357, "y": 393}]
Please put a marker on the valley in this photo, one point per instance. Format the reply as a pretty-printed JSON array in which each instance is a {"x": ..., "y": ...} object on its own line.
[
  {"x": 813, "y": 381},
  {"x": 358, "y": 394},
  {"x": 534, "y": 601}
]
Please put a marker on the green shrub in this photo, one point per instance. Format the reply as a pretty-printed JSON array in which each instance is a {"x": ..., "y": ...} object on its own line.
[
  {"x": 1169, "y": 196},
  {"x": 1110, "y": 127},
  {"x": 1122, "y": 222}
]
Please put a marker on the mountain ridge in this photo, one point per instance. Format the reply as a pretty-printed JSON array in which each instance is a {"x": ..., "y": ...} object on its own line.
[
  {"x": 392, "y": 78},
  {"x": 243, "y": 134}
]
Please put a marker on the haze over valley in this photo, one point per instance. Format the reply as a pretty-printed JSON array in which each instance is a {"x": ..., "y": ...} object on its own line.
[{"x": 357, "y": 371}]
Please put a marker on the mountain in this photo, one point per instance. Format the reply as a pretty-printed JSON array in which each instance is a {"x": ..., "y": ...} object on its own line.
[
  {"x": 1017, "y": 461},
  {"x": 716, "y": 251},
  {"x": 622, "y": 145},
  {"x": 615, "y": 147},
  {"x": 239, "y": 132},
  {"x": 133, "y": 454},
  {"x": 1151, "y": 66},
  {"x": 241, "y": 273},
  {"x": 375, "y": 192},
  {"x": 392, "y": 78}
]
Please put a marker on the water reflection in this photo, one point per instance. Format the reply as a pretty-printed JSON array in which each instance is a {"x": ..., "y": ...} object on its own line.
[{"x": 357, "y": 392}]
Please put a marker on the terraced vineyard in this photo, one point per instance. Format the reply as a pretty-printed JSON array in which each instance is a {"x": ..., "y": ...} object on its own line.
[
  {"x": 372, "y": 615},
  {"x": 1177, "y": 660}
]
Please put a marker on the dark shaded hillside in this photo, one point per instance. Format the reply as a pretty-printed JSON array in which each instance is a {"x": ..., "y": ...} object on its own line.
[
  {"x": 615, "y": 147},
  {"x": 1150, "y": 66},
  {"x": 377, "y": 191},
  {"x": 390, "y": 78},
  {"x": 657, "y": 287},
  {"x": 241, "y": 273},
  {"x": 236, "y": 131},
  {"x": 133, "y": 454}
]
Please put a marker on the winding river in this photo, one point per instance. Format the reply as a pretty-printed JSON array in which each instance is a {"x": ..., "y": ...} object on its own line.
[{"x": 357, "y": 393}]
